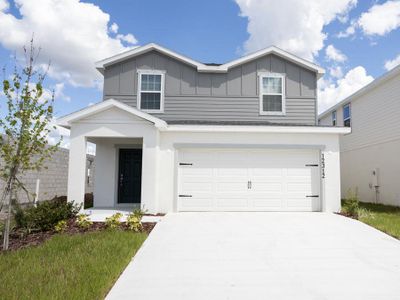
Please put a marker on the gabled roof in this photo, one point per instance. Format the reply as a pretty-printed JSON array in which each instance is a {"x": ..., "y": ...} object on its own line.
[
  {"x": 377, "y": 82},
  {"x": 67, "y": 120},
  {"x": 209, "y": 68}
]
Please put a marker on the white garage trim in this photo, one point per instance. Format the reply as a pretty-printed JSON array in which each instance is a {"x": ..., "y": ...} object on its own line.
[{"x": 252, "y": 179}]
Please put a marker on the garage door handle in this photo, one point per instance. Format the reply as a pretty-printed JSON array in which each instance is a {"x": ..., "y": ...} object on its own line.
[
  {"x": 312, "y": 196},
  {"x": 185, "y": 196},
  {"x": 185, "y": 164},
  {"x": 312, "y": 165}
]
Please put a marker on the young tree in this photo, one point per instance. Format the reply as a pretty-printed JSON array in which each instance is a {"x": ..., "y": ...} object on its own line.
[{"x": 24, "y": 129}]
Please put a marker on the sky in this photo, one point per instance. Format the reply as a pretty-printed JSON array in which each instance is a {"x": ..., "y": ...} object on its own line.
[{"x": 355, "y": 41}]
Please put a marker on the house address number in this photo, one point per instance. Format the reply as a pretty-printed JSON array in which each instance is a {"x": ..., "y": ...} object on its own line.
[{"x": 323, "y": 165}]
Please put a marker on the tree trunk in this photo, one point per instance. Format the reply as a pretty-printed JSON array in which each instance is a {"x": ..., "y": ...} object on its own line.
[{"x": 9, "y": 190}]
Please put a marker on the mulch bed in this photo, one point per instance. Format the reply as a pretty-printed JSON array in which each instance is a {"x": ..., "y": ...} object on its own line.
[{"x": 18, "y": 239}]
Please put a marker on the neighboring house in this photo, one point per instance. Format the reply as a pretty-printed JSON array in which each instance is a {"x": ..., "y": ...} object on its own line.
[
  {"x": 173, "y": 134},
  {"x": 370, "y": 154},
  {"x": 52, "y": 179}
]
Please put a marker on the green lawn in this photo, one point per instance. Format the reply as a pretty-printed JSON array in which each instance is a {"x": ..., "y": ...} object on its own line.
[
  {"x": 383, "y": 217},
  {"x": 81, "y": 266}
]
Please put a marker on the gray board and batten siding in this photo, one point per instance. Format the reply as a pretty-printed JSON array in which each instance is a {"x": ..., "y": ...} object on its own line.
[{"x": 191, "y": 95}]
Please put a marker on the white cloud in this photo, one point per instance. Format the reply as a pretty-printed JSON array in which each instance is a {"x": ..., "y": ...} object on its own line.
[
  {"x": 114, "y": 28},
  {"x": 348, "y": 32},
  {"x": 4, "y": 5},
  {"x": 331, "y": 93},
  {"x": 336, "y": 72},
  {"x": 128, "y": 38},
  {"x": 294, "y": 25},
  {"x": 334, "y": 54},
  {"x": 380, "y": 19},
  {"x": 59, "y": 92},
  {"x": 60, "y": 133},
  {"x": 57, "y": 134},
  {"x": 72, "y": 34},
  {"x": 390, "y": 64}
]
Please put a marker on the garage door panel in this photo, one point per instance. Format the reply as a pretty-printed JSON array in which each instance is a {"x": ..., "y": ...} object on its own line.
[
  {"x": 301, "y": 203},
  {"x": 197, "y": 186},
  {"x": 196, "y": 172},
  {"x": 299, "y": 187},
  {"x": 196, "y": 203},
  {"x": 267, "y": 172},
  {"x": 230, "y": 172},
  {"x": 298, "y": 172},
  {"x": 272, "y": 187},
  {"x": 259, "y": 180},
  {"x": 230, "y": 202},
  {"x": 231, "y": 187}
]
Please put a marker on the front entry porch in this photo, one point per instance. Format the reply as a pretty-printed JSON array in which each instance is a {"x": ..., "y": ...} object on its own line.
[
  {"x": 127, "y": 146},
  {"x": 118, "y": 182}
]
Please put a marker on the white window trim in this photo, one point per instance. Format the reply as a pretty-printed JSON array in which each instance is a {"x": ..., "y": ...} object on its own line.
[
  {"x": 260, "y": 79},
  {"x": 349, "y": 118},
  {"x": 139, "y": 91}
]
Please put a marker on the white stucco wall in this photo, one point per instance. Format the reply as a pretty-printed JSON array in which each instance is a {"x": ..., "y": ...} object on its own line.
[
  {"x": 112, "y": 124},
  {"x": 160, "y": 149}
]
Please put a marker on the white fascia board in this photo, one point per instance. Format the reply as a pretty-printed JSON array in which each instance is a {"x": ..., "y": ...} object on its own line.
[
  {"x": 206, "y": 68},
  {"x": 279, "y": 52},
  {"x": 100, "y": 65},
  {"x": 374, "y": 84},
  {"x": 67, "y": 120},
  {"x": 257, "y": 128}
]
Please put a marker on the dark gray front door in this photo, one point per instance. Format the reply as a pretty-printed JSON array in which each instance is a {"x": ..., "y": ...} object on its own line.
[{"x": 129, "y": 175}]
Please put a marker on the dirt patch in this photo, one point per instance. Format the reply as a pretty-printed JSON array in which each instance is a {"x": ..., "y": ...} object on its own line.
[{"x": 19, "y": 239}]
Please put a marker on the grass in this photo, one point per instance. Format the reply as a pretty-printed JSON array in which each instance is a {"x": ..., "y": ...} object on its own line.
[
  {"x": 383, "y": 217},
  {"x": 81, "y": 266}
]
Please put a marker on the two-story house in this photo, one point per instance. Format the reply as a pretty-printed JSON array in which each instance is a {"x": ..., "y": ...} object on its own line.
[
  {"x": 370, "y": 162},
  {"x": 174, "y": 134}
]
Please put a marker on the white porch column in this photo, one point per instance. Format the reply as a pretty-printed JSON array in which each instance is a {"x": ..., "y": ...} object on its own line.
[
  {"x": 149, "y": 172},
  {"x": 77, "y": 168},
  {"x": 332, "y": 196}
]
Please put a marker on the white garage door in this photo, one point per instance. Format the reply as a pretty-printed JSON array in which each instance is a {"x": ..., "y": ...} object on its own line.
[{"x": 248, "y": 180}]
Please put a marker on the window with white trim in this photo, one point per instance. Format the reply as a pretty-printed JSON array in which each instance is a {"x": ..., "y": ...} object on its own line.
[
  {"x": 347, "y": 115},
  {"x": 151, "y": 91},
  {"x": 334, "y": 118},
  {"x": 272, "y": 94}
]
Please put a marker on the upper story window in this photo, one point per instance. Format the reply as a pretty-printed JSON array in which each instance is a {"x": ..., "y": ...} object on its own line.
[
  {"x": 272, "y": 94},
  {"x": 150, "y": 96},
  {"x": 347, "y": 115},
  {"x": 334, "y": 122}
]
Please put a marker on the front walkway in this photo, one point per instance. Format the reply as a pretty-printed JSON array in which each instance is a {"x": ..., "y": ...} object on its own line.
[{"x": 262, "y": 256}]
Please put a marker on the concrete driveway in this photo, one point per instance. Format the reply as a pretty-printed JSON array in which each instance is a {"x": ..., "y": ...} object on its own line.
[{"x": 262, "y": 256}]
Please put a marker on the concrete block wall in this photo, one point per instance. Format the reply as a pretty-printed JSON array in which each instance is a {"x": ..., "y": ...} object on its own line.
[{"x": 53, "y": 179}]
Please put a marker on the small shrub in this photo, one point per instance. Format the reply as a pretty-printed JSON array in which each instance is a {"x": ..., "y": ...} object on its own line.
[
  {"x": 134, "y": 220},
  {"x": 352, "y": 204},
  {"x": 45, "y": 215},
  {"x": 61, "y": 226},
  {"x": 83, "y": 221},
  {"x": 114, "y": 221}
]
